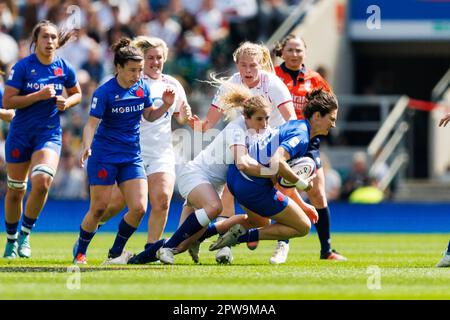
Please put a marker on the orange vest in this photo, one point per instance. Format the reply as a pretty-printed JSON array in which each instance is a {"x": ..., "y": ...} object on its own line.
[{"x": 306, "y": 82}]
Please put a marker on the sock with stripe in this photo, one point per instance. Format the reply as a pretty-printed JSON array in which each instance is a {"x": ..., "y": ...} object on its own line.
[
  {"x": 27, "y": 225},
  {"x": 11, "y": 231}
]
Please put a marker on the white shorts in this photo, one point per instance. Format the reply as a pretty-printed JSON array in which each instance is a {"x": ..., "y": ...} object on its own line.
[
  {"x": 165, "y": 162},
  {"x": 192, "y": 176}
]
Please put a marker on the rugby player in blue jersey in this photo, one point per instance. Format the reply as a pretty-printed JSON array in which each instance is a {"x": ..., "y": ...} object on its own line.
[
  {"x": 34, "y": 89},
  {"x": 111, "y": 142},
  {"x": 258, "y": 196}
]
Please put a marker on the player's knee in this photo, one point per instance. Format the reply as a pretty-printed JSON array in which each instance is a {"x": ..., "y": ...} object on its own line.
[
  {"x": 213, "y": 209},
  {"x": 317, "y": 197},
  {"x": 161, "y": 205},
  {"x": 14, "y": 195},
  {"x": 16, "y": 186},
  {"x": 304, "y": 228},
  {"x": 42, "y": 177},
  {"x": 137, "y": 210}
]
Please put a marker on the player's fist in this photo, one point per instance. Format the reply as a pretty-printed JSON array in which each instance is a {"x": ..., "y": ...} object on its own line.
[
  {"x": 47, "y": 92},
  {"x": 61, "y": 103}
]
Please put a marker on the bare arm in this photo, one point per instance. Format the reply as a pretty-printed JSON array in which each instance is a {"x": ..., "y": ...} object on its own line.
[
  {"x": 212, "y": 117},
  {"x": 7, "y": 115},
  {"x": 74, "y": 98},
  {"x": 443, "y": 122},
  {"x": 153, "y": 113},
  {"x": 88, "y": 136},
  {"x": 287, "y": 111},
  {"x": 280, "y": 158},
  {"x": 12, "y": 99},
  {"x": 185, "y": 113},
  {"x": 247, "y": 164}
]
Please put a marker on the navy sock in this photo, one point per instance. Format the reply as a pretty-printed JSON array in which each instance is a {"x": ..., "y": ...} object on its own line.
[
  {"x": 323, "y": 230},
  {"x": 149, "y": 254},
  {"x": 210, "y": 231},
  {"x": 251, "y": 235},
  {"x": 27, "y": 225},
  {"x": 189, "y": 227},
  {"x": 124, "y": 233},
  {"x": 448, "y": 249},
  {"x": 83, "y": 241},
  {"x": 11, "y": 231}
]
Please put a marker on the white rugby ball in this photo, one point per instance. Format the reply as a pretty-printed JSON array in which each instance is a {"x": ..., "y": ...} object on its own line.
[{"x": 304, "y": 167}]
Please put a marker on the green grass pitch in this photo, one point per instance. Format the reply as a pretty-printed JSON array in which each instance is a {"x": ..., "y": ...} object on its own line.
[{"x": 380, "y": 266}]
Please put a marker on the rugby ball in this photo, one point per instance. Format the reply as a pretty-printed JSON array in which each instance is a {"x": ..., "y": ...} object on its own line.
[{"x": 304, "y": 167}]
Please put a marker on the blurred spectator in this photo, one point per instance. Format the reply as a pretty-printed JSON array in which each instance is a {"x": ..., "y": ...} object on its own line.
[
  {"x": 358, "y": 175},
  {"x": 93, "y": 65},
  {"x": 117, "y": 29},
  {"x": 75, "y": 52},
  {"x": 333, "y": 180},
  {"x": 273, "y": 14},
  {"x": 164, "y": 27},
  {"x": 192, "y": 49},
  {"x": 368, "y": 193},
  {"x": 70, "y": 180},
  {"x": 242, "y": 16}
]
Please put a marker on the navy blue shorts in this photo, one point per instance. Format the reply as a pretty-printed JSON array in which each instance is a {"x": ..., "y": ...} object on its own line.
[
  {"x": 20, "y": 145},
  {"x": 256, "y": 194},
  {"x": 313, "y": 151},
  {"x": 105, "y": 174}
]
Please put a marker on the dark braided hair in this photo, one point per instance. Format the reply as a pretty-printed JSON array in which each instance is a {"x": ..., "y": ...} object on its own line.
[
  {"x": 319, "y": 101},
  {"x": 124, "y": 51}
]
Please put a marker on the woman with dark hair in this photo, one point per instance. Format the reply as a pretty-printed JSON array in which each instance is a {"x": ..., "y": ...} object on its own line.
[
  {"x": 301, "y": 81},
  {"x": 111, "y": 142},
  {"x": 258, "y": 196},
  {"x": 34, "y": 88}
]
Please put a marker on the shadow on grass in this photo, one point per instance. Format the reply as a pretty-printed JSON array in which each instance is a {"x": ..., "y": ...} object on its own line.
[{"x": 69, "y": 268}]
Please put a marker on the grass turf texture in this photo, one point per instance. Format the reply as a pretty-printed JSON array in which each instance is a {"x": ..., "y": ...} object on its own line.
[{"x": 406, "y": 263}]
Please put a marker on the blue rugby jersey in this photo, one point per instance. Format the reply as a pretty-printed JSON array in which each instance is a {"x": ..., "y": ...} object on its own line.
[
  {"x": 293, "y": 136},
  {"x": 120, "y": 111},
  {"x": 29, "y": 75}
]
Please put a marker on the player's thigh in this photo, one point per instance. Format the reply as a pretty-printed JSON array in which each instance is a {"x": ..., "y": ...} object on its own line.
[
  {"x": 135, "y": 193},
  {"x": 203, "y": 196},
  {"x": 294, "y": 217}
]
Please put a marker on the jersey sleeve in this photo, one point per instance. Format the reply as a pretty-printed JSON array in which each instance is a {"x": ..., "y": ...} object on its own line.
[
  {"x": 279, "y": 93},
  {"x": 98, "y": 104},
  {"x": 148, "y": 101},
  {"x": 71, "y": 77},
  {"x": 16, "y": 76},
  {"x": 1, "y": 97},
  {"x": 235, "y": 135},
  {"x": 296, "y": 143}
]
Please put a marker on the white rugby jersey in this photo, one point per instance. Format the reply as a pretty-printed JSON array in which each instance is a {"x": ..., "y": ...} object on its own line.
[
  {"x": 156, "y": 136},
  {"x": 270, "y": 87},
  {"x": 215, "y": 158}
]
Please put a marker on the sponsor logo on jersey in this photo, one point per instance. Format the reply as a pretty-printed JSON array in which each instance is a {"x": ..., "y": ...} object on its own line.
[
  {"x": 33, "y": 72},
  {"x": 116, "y": 97},
  {"x": 39, "y": 86},
  {"x": 128, "y": 109}
]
